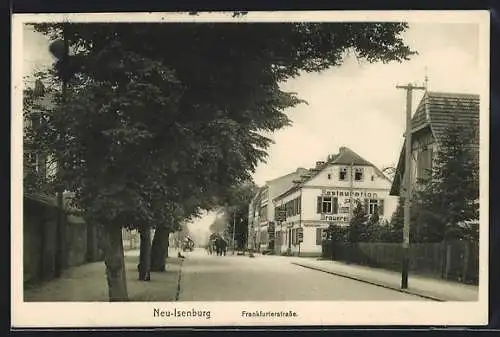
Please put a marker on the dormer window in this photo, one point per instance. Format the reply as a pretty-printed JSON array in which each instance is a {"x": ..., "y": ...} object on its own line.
[
  {"x": 343, "y": 173},
  {"x": 358, "y": 174}
]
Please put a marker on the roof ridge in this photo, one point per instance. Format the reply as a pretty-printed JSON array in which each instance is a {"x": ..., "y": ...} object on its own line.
[
  {"x": 286, "y": 175},
  {"x": 445, "y": 93}
]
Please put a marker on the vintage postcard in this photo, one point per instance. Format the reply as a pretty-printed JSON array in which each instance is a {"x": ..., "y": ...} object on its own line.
[{"x": 250, "y": 169}]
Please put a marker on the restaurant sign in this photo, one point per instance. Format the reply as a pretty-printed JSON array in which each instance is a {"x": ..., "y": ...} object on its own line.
[{"x": 347, "y": 193}]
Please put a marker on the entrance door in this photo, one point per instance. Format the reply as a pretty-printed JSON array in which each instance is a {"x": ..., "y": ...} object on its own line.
[{"x": 290, "y": 238}]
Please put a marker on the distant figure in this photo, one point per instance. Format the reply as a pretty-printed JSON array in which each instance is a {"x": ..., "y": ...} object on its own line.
[
  {"x": 211, "y": 247},
  {"x": 222, "y": 247},
  {"x": 218, "y": 245}
]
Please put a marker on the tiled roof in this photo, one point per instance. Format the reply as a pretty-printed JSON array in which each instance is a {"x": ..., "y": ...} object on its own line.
[
  {"x": 446, "y": 109},
  {"x": 345, "y": 156},
  {"x": 438, "y": 111}
]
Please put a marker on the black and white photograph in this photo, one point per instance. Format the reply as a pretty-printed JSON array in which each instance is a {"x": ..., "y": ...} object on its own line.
[{"x": 250, "y": 168}]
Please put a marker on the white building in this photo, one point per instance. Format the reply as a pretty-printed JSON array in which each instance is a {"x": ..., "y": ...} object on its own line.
[
  {"x": 261, "y": 210},
  {"x": 326, "y": 195}
]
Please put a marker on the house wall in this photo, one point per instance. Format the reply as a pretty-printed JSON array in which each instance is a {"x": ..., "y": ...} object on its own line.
[
  {"x": 422, "y": 154},
  {"x": 282, "y": 228},
  {"x": 272, "y": 189}
]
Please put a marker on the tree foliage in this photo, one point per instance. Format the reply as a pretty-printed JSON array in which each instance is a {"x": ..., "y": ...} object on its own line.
[
  {"x": 159, "y": 120},
  {"x": 234, "y": 214},
  {"x": 357, "y": 225},
  {"x": 130, "y": 96}
]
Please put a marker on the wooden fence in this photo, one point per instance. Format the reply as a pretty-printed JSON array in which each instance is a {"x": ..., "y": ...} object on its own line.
[{"x": 454, "y": 261}]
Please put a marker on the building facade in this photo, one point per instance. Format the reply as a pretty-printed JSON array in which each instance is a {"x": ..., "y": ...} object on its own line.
[
  {"x": 327, "y": 195},
  {"x": 261, "y": 211}
]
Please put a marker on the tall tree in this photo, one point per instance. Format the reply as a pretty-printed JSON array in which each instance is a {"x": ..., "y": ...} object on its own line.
[
  {"x": 357, "y": 225},
  {"x": 373, "y": 227},
  {"x": 237, "y": 202},
  {"x": 179, "y": 109}
]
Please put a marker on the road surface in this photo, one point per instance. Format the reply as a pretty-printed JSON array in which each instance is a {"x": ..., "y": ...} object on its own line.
[{"x": 270, "y": 278}]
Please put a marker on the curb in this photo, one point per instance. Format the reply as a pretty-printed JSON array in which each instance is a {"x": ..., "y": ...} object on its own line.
[{"x": 378, "y": 284}]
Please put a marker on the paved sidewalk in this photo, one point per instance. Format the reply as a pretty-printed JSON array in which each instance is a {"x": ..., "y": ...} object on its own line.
[
  {"x": 435, "y": 289},
  {"x": 87, "y": 283}
]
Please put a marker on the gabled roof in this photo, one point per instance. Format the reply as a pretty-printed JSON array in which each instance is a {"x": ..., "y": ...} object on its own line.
[
  {"x": 345, "y": 156},
  {"x": 437, "y": 111}
]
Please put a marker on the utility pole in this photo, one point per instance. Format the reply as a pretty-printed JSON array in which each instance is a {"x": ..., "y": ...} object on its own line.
[{"x": 407, "y": 184}]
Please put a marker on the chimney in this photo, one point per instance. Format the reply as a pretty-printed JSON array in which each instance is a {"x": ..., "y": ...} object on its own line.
[{"x": 342, "y": 149}]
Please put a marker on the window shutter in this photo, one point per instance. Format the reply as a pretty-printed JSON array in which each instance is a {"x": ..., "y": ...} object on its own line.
[
  {"x": 318, "y": 210},
  {"x": 299, "y": 204},
  {"x": 318, "y": 236},
  {"x": 381, "y": 207},
  {"x": 366, "y": 206},
  {"x": 335, "y": 205}
]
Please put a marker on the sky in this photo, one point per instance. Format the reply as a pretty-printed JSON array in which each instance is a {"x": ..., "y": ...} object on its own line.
[{"x": 355, "y": 105}]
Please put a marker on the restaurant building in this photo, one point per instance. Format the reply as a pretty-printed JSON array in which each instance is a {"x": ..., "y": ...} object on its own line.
[{"x": 326, "y": 195}]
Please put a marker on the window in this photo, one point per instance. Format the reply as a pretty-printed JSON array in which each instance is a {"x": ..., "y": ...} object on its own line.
[
  {"x": 372, "y": 206},
  {"x": 358, "y": 173},
  {"x": 343, "y": 173},
  {"x": 292, "y": 207},
  {"x": 329, "y": 176},
  {"x": 327, "y": 204}
]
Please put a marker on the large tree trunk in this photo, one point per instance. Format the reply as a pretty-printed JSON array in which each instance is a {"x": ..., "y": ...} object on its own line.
[
  {"x": 115, "y": 264},
  {"x": 145, "y": 255},
  {"x": 160, "y": 249}
]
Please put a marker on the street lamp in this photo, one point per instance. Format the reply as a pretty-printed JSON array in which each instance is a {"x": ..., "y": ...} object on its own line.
[{"x": 60, "y": 50}]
